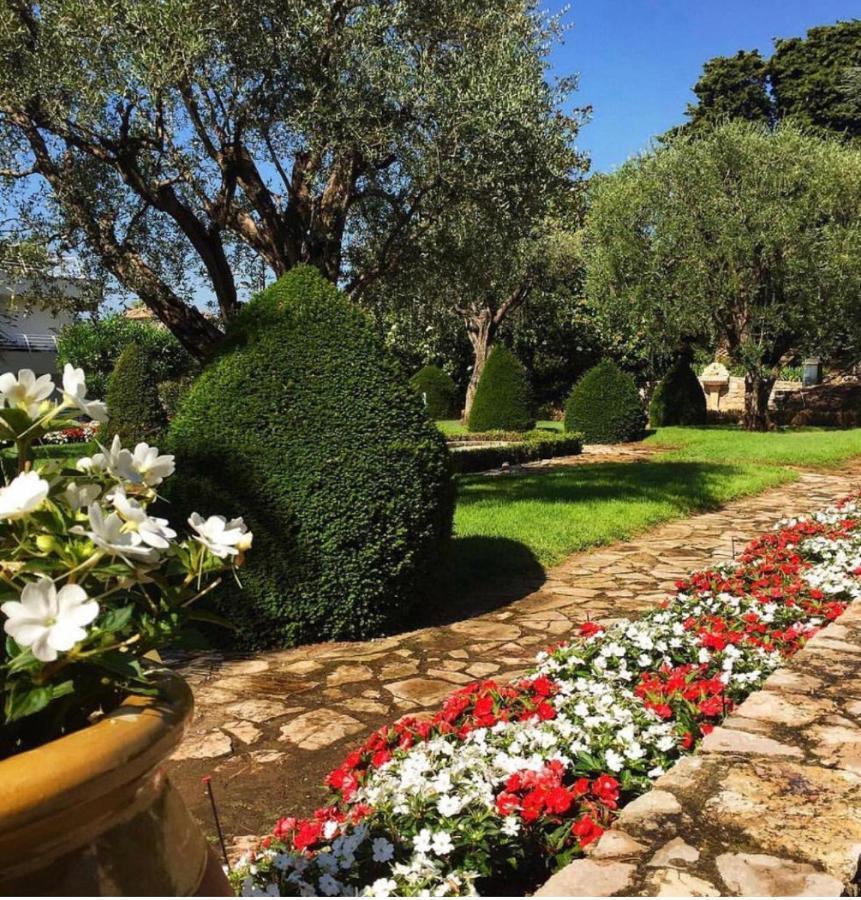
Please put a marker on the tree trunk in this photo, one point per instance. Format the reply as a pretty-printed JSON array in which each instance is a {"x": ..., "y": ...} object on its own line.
[
  {"x": 757, "y": 390},
  {"x": 481, "y": 330}
]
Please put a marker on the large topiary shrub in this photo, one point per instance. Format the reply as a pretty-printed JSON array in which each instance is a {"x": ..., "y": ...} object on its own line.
[
  {"x": 605, "y": 406},
  {"x": 502, "y": 399},
  {"x": 678, "y": 398},
  {"x": 304, "y": 424},
  {"x": 135, "y": 412},
  {"x": 437, "y": 390}
]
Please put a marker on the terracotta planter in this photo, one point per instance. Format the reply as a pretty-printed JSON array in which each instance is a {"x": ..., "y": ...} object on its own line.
[{"x": 94, "y": 813}]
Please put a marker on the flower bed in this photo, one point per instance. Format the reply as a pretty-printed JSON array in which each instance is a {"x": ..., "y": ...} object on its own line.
[{"x": 505, "y": 784}]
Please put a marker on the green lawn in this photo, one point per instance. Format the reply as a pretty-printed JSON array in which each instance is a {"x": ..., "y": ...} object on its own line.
[{"x": 508, "y": 525}]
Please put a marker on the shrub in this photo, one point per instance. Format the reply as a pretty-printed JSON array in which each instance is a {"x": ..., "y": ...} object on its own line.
[
  {"x": 305, "y": 422},
  {"x": 537, "y": 445},
  {"x": 437, "y": 390},
  {"x": 502, "y": 398},
  {"x": 678, "y": 398},
  {"x": 95, "y": 346},
  {"x": 605, "y": 406},
  {"x": 171, "y": 392},
  {"x": 134, "y": 409}
]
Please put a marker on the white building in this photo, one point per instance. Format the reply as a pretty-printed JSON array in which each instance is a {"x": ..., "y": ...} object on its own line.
[{"x": 28, "y": 332}]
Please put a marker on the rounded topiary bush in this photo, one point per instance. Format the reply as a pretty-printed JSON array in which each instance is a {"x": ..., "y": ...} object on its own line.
[
  {"x": 304, "y": 426},
  {"x": 605, "y": 406},
  {"x": 135, "y": 412},
  {"x": 678, "y": 398},
  {"x": 503, "y": 400},
  {"x": 437, "y": 390}
]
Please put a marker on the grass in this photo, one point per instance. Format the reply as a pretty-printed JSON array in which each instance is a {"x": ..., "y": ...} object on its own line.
[
  {"x": 507, "y": 525},
  {"x": 813, "y": 447}
]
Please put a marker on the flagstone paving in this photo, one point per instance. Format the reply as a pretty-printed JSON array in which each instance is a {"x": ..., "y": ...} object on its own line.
[{"x": 268, "y": 728}]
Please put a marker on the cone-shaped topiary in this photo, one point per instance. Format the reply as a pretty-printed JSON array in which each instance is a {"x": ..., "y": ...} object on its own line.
[
  {"x": 134, "y": 409},
  {"x": 502, "y": 399},
  {"x": 678, "y": 398},
  {"x": 437, "y": 390},
  {"x": 605, "y": 406},
  {"x": 305, "y": 426}
]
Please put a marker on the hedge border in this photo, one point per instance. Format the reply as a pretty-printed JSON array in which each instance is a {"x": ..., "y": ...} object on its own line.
[{"x": 480, "y": 459}]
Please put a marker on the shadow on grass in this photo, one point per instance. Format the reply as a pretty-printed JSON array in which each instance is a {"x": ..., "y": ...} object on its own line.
[{"x": 567, "y": 510}]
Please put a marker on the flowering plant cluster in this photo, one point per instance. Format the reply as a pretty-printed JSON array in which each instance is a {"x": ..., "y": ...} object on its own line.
[
  {"x": 80, "y": 433},
  {"x": 91, "y": 583},
  {"x": 506, "y": 783}
]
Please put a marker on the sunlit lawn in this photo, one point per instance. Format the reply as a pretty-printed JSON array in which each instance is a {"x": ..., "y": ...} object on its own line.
[{"x": 505, "y": 522}]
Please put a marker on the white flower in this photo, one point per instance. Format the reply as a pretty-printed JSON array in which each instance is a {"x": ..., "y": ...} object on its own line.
[
  {"x": 23, "y": 495},
  {"x": 144, "y": 466},
  {"x": 49, "y": 621},
  {"x": 422, "y": 841},
  {"x": 442, "y": 844},
  {"x": 220, "y": 537},
  {"x": 329, "y": 886},
  {"x": 382, "y": 850},
  {"x": 80, "y": 495},
  {"x": 382, "y": 887},
  {"x": 75, "y": 394},
  {"x": 151, "y": 468},
  {"x": 614, "y": 761},
  {"x": 153, "y": 531},
  {"x": 448, "y": 805},
  {"x": 26, "y": 392},
  {"x": 511, "y": 826},
  {"x": 109, "y": 533}
]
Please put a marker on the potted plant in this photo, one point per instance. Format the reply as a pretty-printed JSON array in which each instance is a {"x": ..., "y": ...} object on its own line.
[{"x": 91, "y": 586}]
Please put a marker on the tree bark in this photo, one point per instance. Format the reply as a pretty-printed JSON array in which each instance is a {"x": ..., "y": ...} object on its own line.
[
  {"x": 481, "y": 330},
  {"x": 757, "y": 390}
]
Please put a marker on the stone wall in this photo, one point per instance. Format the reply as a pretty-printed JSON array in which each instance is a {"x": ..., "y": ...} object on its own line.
[
  {"x": 728, "y": 402},
  {"x": 837, "y": 404},
  {"x": 769, "y": 806}
]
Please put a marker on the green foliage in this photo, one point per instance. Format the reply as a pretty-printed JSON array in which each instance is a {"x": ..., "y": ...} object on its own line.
[
  {"x": 437, "y": 390},
  {"x": 534, "y": 445},
  {"x": 305, "y": 424},
  {"x": 678, "y": 398},
  {"x": 95, "y": 344},
  {"x": 743, "y": 237},
  {"x": 605, "y": 406},
  {"x": 732, "y": 87},
  {"x": 134, "y": 409},
  {"x": 502, "y": 399},
  {"x": 809, "y": 79},
  {"x": 171, "y": 392}
]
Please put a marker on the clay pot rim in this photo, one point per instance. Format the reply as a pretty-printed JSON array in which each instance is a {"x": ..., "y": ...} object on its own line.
[{"x": 118, "y": 750}]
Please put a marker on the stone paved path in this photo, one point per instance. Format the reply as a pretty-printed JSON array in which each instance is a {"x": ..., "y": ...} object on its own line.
[{"x": 267, "y": 728}]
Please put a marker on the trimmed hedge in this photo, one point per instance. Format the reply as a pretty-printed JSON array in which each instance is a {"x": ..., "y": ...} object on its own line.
[
  {"x": 605, "y": 406},
  {"x": 437, "y": 390},
  {"x": 545, "y": 446},
  {"x": 678, "y": 398},
  {"x": 304, "y": 426},
  {"x": 502, "y": 399},
  {"x": 134, "y": 410}
]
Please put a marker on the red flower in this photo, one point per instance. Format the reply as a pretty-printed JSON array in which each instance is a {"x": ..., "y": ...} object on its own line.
[
  {"x": 307, "y": 834},
  {"x": 558, "y": 800},
  {"x": 586, "y": 831},
  {"x": 507, "y": 803},
  {"x": 284, "y": 828},
  {"x": 587, "y": 629},
  {"x": 546, "y": 711},
  {"x": 606, "y": 789}
]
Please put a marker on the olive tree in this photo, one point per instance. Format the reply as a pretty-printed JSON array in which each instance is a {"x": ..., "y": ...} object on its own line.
[
  {"x": 175, "y": 141},
  {"x": 743, "y": 238}
]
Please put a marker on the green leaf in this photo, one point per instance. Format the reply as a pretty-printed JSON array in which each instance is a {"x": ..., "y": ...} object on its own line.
[
  {"x": 123, "y": 664},
  {"x": 205, "y": 615},
  {"x": 116, "y": 619},
  {"x": 22, "y": 702}
]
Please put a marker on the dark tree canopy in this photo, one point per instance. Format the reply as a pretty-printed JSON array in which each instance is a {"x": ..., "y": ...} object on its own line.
[{"x": 810, "y": 79}]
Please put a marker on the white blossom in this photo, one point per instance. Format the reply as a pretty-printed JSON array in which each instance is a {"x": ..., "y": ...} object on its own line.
[
  {"x": 49, "y": 621},
  {"x": 23, "y": 495}
]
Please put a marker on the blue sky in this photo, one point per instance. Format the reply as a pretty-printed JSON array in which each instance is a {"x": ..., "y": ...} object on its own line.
[{"x": 639, "y": 59}]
